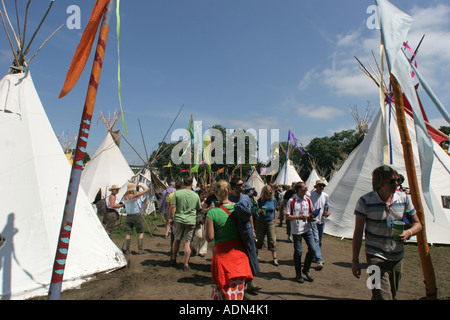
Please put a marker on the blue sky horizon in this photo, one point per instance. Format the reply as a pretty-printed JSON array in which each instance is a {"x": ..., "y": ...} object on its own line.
[{"x": 254, "y": 64}]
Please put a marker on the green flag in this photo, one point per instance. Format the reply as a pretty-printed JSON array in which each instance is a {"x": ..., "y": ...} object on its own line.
[{"x": 191, "y": 128}]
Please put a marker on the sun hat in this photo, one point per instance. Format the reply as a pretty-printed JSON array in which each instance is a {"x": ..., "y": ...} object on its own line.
[
  {"x": 321, "y": 181},
  {"x": 114, "y": 187},
  {"x": 131, "y": 187}
]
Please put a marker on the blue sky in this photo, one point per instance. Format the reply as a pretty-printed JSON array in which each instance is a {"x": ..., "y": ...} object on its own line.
[{"x": 257, "y": 64}]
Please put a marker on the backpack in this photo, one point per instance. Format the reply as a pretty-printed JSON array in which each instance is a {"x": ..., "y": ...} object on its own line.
[
  {"x": 254, "y": 208},
  {"x": 102, "y": 209}
]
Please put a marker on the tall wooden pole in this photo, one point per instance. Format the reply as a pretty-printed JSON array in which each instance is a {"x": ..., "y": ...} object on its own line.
[
  {"x": 422, "y": 243},
  {"x": 75, "y": 176}
]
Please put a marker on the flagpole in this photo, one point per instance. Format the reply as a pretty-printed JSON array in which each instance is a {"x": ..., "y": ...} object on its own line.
[
  {"x": 287, "y": 157},
  {"x": 422, "y": 243},
  {"x": 75, "y": 176}
]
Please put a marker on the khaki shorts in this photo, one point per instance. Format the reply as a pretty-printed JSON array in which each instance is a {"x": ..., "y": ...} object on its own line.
[
  {"x": 134, "y": 220},
  {"x": 183, "y": 231}
]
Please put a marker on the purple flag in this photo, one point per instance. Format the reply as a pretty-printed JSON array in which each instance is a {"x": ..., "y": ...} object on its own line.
[{"x": 291, "y": 138}]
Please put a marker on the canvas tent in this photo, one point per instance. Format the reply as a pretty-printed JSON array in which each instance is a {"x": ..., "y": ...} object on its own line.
[
  {"x": 354, "y": 179},
  {"x": 311, "y": 181},
  {"x": 34, "y": 178},
  {"x": 255, "y": 181},
  {"x": 290, "y": 173},
  {"x": 107, "y": 167}
]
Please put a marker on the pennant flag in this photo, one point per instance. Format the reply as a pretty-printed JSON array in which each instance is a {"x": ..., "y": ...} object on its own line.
[
  {"x": 207, "y": 152},
  {"x": 395, "y": 25},
  {"x": 191, "y": 127},
  {"x": 119, "y": 85},
  {"x": 292, "y": 138},
  {"x": 84, "y": 47},
  {"x": 169, "y": 165},
  {"x": 221, "y": 170}
]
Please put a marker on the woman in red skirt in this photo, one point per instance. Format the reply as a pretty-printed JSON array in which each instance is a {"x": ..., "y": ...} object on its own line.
[{"x": 230, "y": 266}]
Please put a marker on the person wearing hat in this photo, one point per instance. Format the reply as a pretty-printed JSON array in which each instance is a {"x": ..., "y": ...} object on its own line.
[
  {"x": 134, "y": 218},
  {"x": 113, "y": 205},
  {"x": 320, "y": 201}
]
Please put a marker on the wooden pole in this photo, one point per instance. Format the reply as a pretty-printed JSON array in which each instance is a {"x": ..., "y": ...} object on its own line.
[
  {"x": 422, "y": 243},
  {"x": 75, "y": 176}
]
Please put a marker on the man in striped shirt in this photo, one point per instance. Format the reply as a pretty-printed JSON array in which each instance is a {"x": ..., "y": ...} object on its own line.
[{"x": 375, "y": 213}]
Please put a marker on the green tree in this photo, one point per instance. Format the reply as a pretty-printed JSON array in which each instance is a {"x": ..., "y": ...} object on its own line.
[{"x": 445, "y": 129}]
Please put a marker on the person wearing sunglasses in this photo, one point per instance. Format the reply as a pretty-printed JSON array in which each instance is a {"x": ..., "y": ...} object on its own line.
[
  {"x": 375, "y": 213},
  {"x": 266, "y": 222},
  {"x": 320, "y": 201}
]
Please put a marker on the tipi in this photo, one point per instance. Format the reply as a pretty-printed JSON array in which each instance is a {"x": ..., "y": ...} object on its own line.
[
  {"x": 289, "y": 172},
  {"x": 255, "y": 181},
  {"x": 107, "y": 166},
  {"x": 313, "y": 176},
  {"x": 354, "y": 179},
  {"x": 34, "y": 179}
]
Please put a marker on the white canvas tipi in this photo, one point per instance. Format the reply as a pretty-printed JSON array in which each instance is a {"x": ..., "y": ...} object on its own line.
[
  {"x": 290, "y": 173},
  {"x": 34, "y": 178},
  {"x": 255, "y": 181},
  {"x": 312, "y": 179},
  {"x": 354, "y": 179},
  {"x": 107, "y": 167}
]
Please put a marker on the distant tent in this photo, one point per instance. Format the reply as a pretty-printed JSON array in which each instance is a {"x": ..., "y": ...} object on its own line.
[
  {"x": 354, "y": 179},
  {"x": 34, "y": 178},
  {"x": 311, "y": 181},
  {"x": 107, "y": 167},
  {"x": 290, "y": 173},
  {"x": 255, "y": 181},
  {"x": 313, "y": 176}
]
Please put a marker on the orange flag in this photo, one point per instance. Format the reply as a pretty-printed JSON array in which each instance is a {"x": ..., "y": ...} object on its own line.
[{"x": 84, "y": 47}]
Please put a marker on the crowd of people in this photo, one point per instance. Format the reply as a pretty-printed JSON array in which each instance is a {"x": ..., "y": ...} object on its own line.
[{"x": 239, "y": 222}]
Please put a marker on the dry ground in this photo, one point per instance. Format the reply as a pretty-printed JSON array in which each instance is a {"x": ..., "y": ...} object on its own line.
[{"x": 149, "y": 276}]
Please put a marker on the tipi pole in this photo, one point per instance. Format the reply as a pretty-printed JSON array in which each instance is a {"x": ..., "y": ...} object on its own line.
[
  {"x": 422, "y": 243},
  {"x": 75, "y": 176}
]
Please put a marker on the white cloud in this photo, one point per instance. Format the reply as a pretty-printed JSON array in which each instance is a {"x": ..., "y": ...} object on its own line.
[
  {"x": 349, "y": 81},
  {"x": 349, "y": 40},
  {"x": 344, "y": 77},
  {"x": 308, "y": 78},
  {"x": 322, "y": 112},
  {"x": 430, "y": 18}
]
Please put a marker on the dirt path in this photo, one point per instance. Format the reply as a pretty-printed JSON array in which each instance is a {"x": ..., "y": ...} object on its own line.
[{"x": 149, "y": 276}]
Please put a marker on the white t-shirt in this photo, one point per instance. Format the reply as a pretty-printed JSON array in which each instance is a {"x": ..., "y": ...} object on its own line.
[
  {"x": 319, "y": 201},
  {"x": 301, "y": 207}
]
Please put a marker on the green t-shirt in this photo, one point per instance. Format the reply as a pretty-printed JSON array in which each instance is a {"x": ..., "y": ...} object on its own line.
[
  {"x": 187, "y": 203},
  {"x": 225, "y": 228}
]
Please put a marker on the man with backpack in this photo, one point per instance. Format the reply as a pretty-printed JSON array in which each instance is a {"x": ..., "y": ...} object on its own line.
[{"x": 237, "y": 196}]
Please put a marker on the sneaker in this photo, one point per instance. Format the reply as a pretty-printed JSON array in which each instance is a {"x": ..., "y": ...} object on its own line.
[
  {"x": 289, "y": 239},
  {"x": 186, "y": 268},
  {"x": 299, "y": 279},
  {"x": 275, "y": 262},
  {"x": 319, "y": 266}
]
